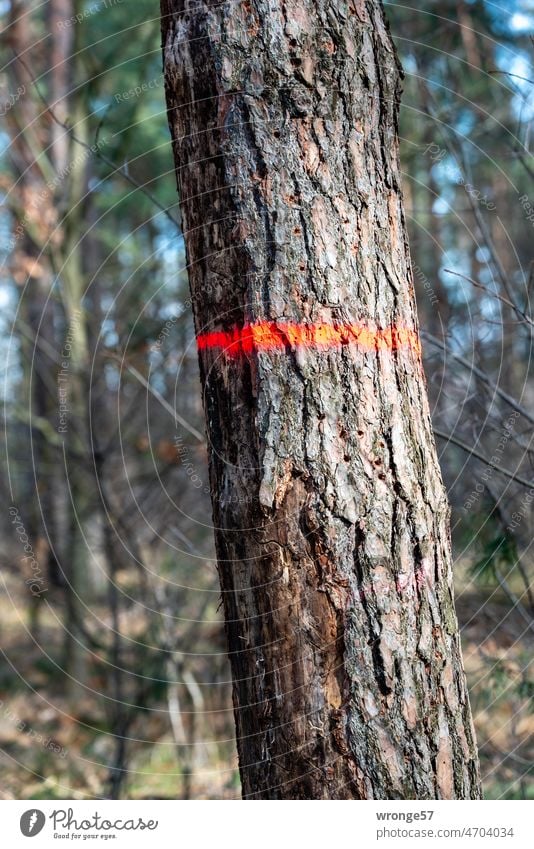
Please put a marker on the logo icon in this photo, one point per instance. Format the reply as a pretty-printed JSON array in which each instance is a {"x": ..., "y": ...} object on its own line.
[{"x": 32, "y": 822}]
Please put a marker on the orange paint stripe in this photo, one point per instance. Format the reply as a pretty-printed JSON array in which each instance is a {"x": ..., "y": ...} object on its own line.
[{"x": 272, "y": 336}]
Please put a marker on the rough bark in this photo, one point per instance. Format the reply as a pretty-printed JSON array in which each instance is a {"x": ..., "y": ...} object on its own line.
[{"x": 330, "y": 516}]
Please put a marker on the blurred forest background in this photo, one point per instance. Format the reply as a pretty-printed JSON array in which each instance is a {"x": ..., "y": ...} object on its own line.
[{"x": 114, "y": 680}]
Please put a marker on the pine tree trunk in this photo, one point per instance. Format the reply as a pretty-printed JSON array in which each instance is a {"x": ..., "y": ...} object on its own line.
[{"x": 331, "y": 520}]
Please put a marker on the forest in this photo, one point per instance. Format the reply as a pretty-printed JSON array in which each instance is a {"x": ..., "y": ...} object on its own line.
[{"x": 267, "y": 470}]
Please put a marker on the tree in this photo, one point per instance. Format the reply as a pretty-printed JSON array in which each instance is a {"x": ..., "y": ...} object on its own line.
[
  {"x": 330, "y": 516},
  {"x": 89, "y": 324}
]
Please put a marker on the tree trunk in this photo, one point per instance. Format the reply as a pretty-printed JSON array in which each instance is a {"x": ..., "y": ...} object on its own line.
[
  {"x": 330, "y": 516},
  {"x": 32, "y": 214}
]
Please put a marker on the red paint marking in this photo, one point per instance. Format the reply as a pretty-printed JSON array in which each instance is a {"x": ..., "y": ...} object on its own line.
[{"x": 272, "y": 336}]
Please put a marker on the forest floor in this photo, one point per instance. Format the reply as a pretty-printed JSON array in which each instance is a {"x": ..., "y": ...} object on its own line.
[{"x": 55, "y": 738}]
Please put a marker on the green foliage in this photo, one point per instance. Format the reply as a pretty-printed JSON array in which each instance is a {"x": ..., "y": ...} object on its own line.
[{"x": 499, "y": 552}]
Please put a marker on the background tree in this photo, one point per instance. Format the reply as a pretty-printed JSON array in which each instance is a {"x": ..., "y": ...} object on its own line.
[{"x": 93, "y": 307}]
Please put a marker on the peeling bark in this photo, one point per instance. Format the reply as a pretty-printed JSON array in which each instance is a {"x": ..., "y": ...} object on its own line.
[{"x": 331, "y": 519}]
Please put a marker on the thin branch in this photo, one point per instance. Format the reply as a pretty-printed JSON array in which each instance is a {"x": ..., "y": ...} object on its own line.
[
  {"x": 516, "y": 76},
  {"x": 513, "y": 598},
  {"x": 474, "y": 453},
  {"x": 159, "y": 397},
  {"x": 496, "y": 295},
  {"x": 485, "y": 378},
  {"x": 97, "y": 152}
]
